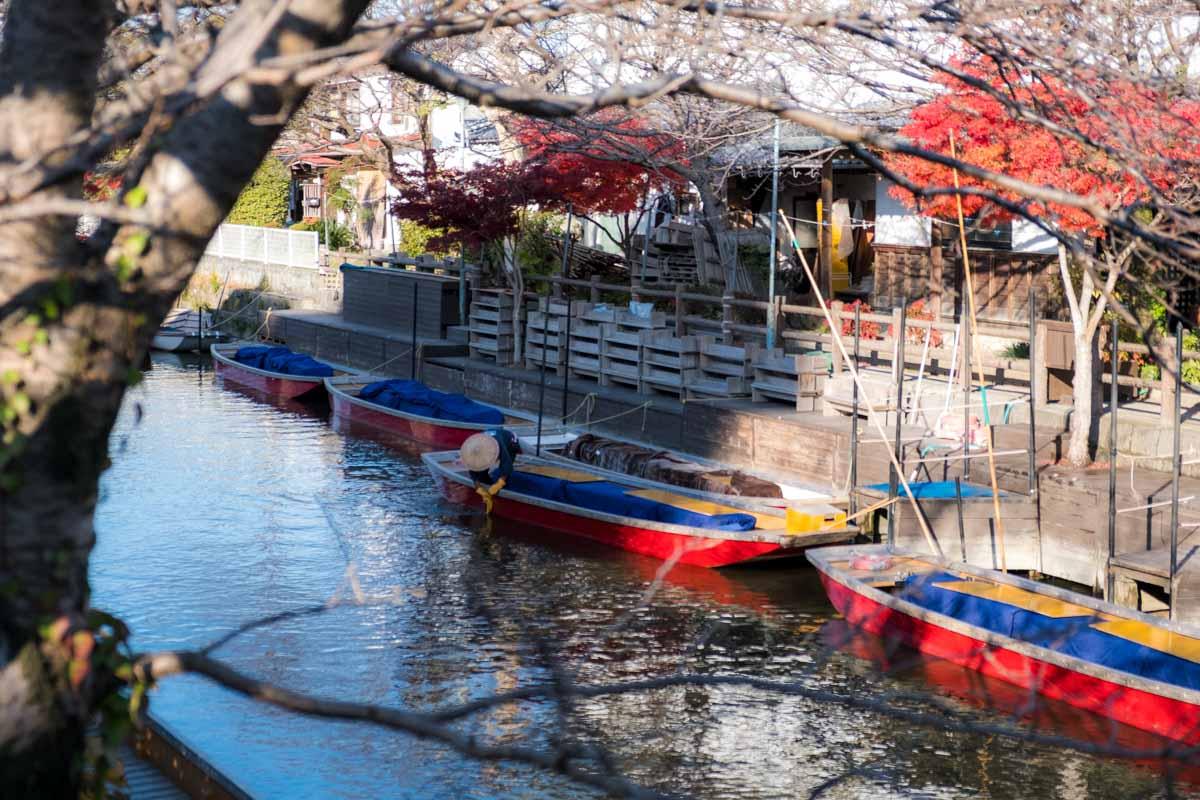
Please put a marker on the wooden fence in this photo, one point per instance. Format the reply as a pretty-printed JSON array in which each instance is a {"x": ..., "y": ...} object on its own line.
[{"x": 1050, "y": 358}]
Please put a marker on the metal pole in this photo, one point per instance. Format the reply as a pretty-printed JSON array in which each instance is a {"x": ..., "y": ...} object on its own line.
[
  {"x": 412, "y": 369},
  {"x": 771, "y": 320},
  {"x": 1033, "y": 395},
  {"x": 965, "y": 375},
  {"x": 567, "y": 241},
  {"x": 962, "y": 529},
  {"x": 542, "y": 384},
  {"x": 1112, "y": 467},
  {"x": 566, "y": 344},
  {"x": 646, "y": 237},
  {"x": 462, "y": 286},
  {"x": 892, "y": 470},
  {"x": 853, "y": 504},
  {"x": 1175, "y": 465}
]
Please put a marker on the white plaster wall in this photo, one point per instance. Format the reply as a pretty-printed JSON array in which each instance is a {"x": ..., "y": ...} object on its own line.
[
  {"x": 1029, "y": 238},
  {"x": 894, "y": 223}
]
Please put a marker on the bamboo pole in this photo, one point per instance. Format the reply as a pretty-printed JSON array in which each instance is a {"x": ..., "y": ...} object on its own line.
[
  {"x": 962, "y": 234},
  {"x": 1112, "y": 466},
  {"x": 872, "y": 414}
]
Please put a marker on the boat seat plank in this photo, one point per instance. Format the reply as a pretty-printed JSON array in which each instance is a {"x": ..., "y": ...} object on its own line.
[
  {"x": 762, "y": 521},
  {"x": 1161, "y": 639},
  {"x": 1011, "y": 595},
  {"x": 564, "y": 473}
]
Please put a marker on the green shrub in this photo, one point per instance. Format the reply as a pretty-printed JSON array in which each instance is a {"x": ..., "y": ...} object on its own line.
[
  {"x": 415, "y": 237},
  {"x": 264, "y": 200},
  {"x": 1191, "y": 372},
  {"x": 340, "y": 237},
  {"x": 1016, "y": 350},
  {"x": 533, "y": 252}
]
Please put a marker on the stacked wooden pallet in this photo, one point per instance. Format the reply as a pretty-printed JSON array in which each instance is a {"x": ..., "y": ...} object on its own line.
[
  {"x": 794, "y": 379},
  {"x": 491, "y": 333},
  {"x": 546, "y": 329},
  {"x": 722, "y": 370},
  {"x": 621, "y": 347},
  {"x": 587, "y": 331},
  {"x": 667, "y": 362}
]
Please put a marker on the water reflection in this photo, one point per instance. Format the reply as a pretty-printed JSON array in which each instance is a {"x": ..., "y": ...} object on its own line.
[{"x": 223, "y": 508}]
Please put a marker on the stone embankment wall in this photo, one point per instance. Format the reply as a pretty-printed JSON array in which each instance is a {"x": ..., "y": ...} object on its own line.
[{"x": 302, "y": 287}]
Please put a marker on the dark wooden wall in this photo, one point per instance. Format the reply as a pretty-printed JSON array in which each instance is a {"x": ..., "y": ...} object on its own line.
[
  {"x": 1002, "y": 279},
  {"x": 383, "y": 298}
]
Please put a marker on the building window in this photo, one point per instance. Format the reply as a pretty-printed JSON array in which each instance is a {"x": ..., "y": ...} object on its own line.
[{"x": 995, "y": 238}]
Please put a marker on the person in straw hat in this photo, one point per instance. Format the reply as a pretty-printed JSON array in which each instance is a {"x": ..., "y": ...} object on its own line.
[{"x": 489, "y": 459}]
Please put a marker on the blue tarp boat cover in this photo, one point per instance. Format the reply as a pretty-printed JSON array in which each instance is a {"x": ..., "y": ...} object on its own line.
[
  {"x": 414, "y": 397},
  {"x": 611, "y": 498},
  {"x": 938, "y": 490},
  {"x": 1071, "y": 636},
  {"x": 281, "y": 359}
]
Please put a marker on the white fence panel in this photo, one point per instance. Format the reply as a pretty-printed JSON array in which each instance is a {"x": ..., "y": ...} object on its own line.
[{"x": 268, "y": 245}]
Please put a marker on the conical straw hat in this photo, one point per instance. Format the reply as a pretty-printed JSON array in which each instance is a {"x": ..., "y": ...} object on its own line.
[{"x": 479, "y": 452}]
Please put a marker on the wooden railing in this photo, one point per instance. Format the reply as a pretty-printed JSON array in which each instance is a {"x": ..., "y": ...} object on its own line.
[{"x": 881, "y": 351}]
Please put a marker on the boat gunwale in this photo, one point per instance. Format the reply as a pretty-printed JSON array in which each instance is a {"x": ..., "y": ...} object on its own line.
[
  {"x": 333, "y": 386},
  {"x": 822, "y": 558},
  {"x": 224, "y": 359},
  {"x": 785, "y": 541},
  {"x": 755, "y": 504},
  {"x": 780, "y": 478}
]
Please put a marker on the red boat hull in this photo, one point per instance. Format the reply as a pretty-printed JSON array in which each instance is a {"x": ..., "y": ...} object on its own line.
[
  {"x": 284, "y": 388},
  {"x": 695, "y": 550},
  {"x": 1173, "y": 719},
  {"x": 428, "y": 432}
]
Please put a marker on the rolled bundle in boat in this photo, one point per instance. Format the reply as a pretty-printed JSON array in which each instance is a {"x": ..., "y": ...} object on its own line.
[{"x": 665, "y": 467}]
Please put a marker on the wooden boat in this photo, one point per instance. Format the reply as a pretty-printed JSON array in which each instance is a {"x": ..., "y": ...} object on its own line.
[
  {"x": 442, "y": 434},
  {"x": 186, "y": 331},
  {"x": 769, "y": 538},
  {"x": 791, "y": 494},
  {"x": 972, "y": 689},
  {"x": 273, "y": 384},
  {"x": 1131, "y": 667}
]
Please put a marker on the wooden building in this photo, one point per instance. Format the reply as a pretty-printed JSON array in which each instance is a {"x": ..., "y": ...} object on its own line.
[{"x": 866, "y": 244}]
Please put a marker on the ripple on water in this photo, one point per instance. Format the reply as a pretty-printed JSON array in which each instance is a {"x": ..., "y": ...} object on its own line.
[{"x": 220, "y": 508}]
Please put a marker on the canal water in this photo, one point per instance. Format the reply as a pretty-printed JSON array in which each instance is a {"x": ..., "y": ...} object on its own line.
[{"x": 221, "y": 508}]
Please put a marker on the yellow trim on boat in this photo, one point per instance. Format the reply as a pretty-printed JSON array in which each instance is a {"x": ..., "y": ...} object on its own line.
[
  {"x": 1011, "y": 595},
  {"x": 565, "y": 473},
  {"x": 762, "y": 522},
  {"x": 1165, "y": 641}
]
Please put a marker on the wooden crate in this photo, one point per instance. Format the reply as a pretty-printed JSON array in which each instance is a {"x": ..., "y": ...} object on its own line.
[
  {"x": 723, "y": 370},
  {"x": 491, "y": 334},
  {"x": 548, "y": 326},
  {"x": 666, "y": 361},
  {"x": 620, "y": 354},
  {"x": 584, "y": 347},
  {"x": 799, "y": 380}
]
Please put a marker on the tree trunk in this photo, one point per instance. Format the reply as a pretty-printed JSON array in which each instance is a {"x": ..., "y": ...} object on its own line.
[
  {"x": 1086, "y": 398},
  {"x": 74, "y": 323},
  {"x": 713, "y": 220}
]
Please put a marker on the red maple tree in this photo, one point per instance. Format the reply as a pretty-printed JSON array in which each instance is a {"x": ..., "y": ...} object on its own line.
[
  {"x": 484, "y": 204},
  {"x": 1112, "y": 114}
]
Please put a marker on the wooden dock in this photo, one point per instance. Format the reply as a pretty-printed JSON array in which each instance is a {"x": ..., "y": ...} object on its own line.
[{"x": 1060, "y": 531}]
